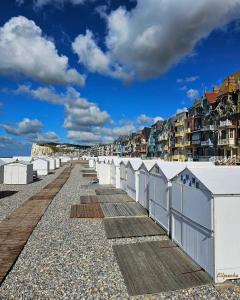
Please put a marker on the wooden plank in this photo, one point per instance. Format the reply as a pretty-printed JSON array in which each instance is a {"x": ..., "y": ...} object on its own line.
[
  {"x": 131, "y": 227},
  {"x": 86, "y": 211},
  {"x": 150, "y": 267},
  {"x": 16, "y": 229},
  {"x": 123, "y": 209},
  {"x": 117, "y": 198},
  {"x": 89, "y": 175},
  {"x": 109, "y": 191}
]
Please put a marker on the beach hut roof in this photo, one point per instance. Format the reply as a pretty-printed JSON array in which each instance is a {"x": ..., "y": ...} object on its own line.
[{"x": 220, "y": 180}]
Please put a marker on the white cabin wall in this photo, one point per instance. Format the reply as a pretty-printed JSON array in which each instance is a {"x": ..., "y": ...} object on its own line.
[{"x": 227, "y": 241}]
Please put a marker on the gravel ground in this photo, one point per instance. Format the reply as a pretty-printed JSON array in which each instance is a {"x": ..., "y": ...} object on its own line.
[
  {"x": 8, "y": 204},
  {"x": 72, "y": 259}
]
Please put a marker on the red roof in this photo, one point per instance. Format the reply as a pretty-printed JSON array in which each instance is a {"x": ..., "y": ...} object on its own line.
[{"x": 211, "y": 97}]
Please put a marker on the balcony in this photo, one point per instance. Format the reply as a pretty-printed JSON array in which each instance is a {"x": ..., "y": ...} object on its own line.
[
  {"x": 179, "y": 134},
  {"x": 187, "y": 144},
  {"x": 209, "y": 128},
  {"x": 188, "y": 130},
  {"x": 196, "y": 142},
  {"x": 162, "y": 138},
  {"x": 179, "y": 157},
  {"x": 225, "y": 123},
  {"x": 224, "y": 142},
  {"x": 178, "y": 124},
  {"x": 166, "y": 148},
  {"x": 207, "y": 143},
  {"x": 179, "y": 145}
]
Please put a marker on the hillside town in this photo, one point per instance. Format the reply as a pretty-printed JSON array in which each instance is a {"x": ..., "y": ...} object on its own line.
[{"x": 209, "y": 129}]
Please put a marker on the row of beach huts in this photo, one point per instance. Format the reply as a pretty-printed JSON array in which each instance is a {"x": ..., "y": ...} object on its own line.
[
  {"x": 24, "y": 169},
  {"x": 197, "y": 203}
]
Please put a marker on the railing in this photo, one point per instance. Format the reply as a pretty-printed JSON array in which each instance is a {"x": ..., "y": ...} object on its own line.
[
  {"x": 197, "y": 142},
  {"x": 188, "y": 130},
  {"x": 209, "y": 127},
  {"x": 187, "y": 144},
  {"x": 225, "y": 123},
  {"x": 178, "y": 124},
  {"x": 207, "y": 143},
  {"x": 165, "y": 148},
  {"x": 179, "y": 145},
  {"x": 162, "y": 138},
  {"x": 179, "y": 133},
  {"x": 223, "y": 142},
  {"x": 179, "y": 157}
]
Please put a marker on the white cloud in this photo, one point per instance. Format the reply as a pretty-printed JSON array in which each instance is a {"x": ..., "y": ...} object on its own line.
[
  {"x": 25, "y": 51},
  {"x": 183, "y": 88},
  {"x": 143, "y": 43},
  {"x": 188, "y": 79},
  {"x": 78, "y": 116},
  {"x": 25, "y": 127},
  {"x": 192, "y": 78},
  {"x": 143, "y": 119},
  {"x": 157, "y": 119},
  {"x": 146, "y": 120},
  {"x": 31, "y": 130},
  {"x": 192, "y": 94},
  {"x": 180, "y": 110},
  {"x": 94, "y": 59},
  {"x": 46, "y": 137},
  {"x": 56, "y": 3}
]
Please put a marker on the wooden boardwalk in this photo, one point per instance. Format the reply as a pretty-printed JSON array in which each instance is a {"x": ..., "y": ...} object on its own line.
[
  {"x": 131, "y": 227},
  {"x": 155, "y": 267},
  {"x": 86, "y": 211},
  {"x": 109, "y": 191},
  {"x": 116, "y": 198},
  {"x": 16, "y": 229},
  {"x": 123, "y": 209}
]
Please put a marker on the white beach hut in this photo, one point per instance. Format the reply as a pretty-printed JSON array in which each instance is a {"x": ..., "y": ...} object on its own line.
[
  {"x": 22, "y": 158},
  {"x": 65, "y": 159},
  {"x": 123, "y": 174},
  {"x": 142, "y": 194},
  {"x": 18, "y": 173},
  {"x": 52, "y": 163},
  {"x": 132, "y": 177},
  {"x": 91, "y": 162},
  {"x": 41, "y": 165},
  {"x": 103, "y": 173},
  {"x": 2, "y": 163},
  {"x": 58, "y": 162},
  {"x": 160, "y": 176},
  {"x": 205, "y": 218}
]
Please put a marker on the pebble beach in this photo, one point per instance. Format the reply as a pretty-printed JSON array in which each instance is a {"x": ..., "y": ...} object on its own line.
[{"x": 72, "y": 259}]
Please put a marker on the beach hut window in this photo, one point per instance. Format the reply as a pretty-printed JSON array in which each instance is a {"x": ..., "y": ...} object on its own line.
[
  {"x": 193, "y": 180},
  {"x": 197, "y": 185}
]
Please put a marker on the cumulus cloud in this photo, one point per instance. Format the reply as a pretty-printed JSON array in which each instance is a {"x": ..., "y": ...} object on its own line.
[
  {"x": 25, "y": 51},
  {"x": 157, "y": 119},
  {"x": 25, "y": 127},
  {"x": 156, "y": 34},
  {"x": 84, "y": 121},
  {"x": 144, "y": 119},
  {"x": 94, "y": 59},
  {"x": 46, "y": 137},
  {"x": 78, "y": 117},
  {"x": 31, "y": 130},
  {"x": 180, "y": 110},
  {"x": 192, "y": 94}
]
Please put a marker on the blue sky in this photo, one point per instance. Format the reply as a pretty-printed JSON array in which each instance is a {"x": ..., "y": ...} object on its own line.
[{"x": 86, "y": 71}]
